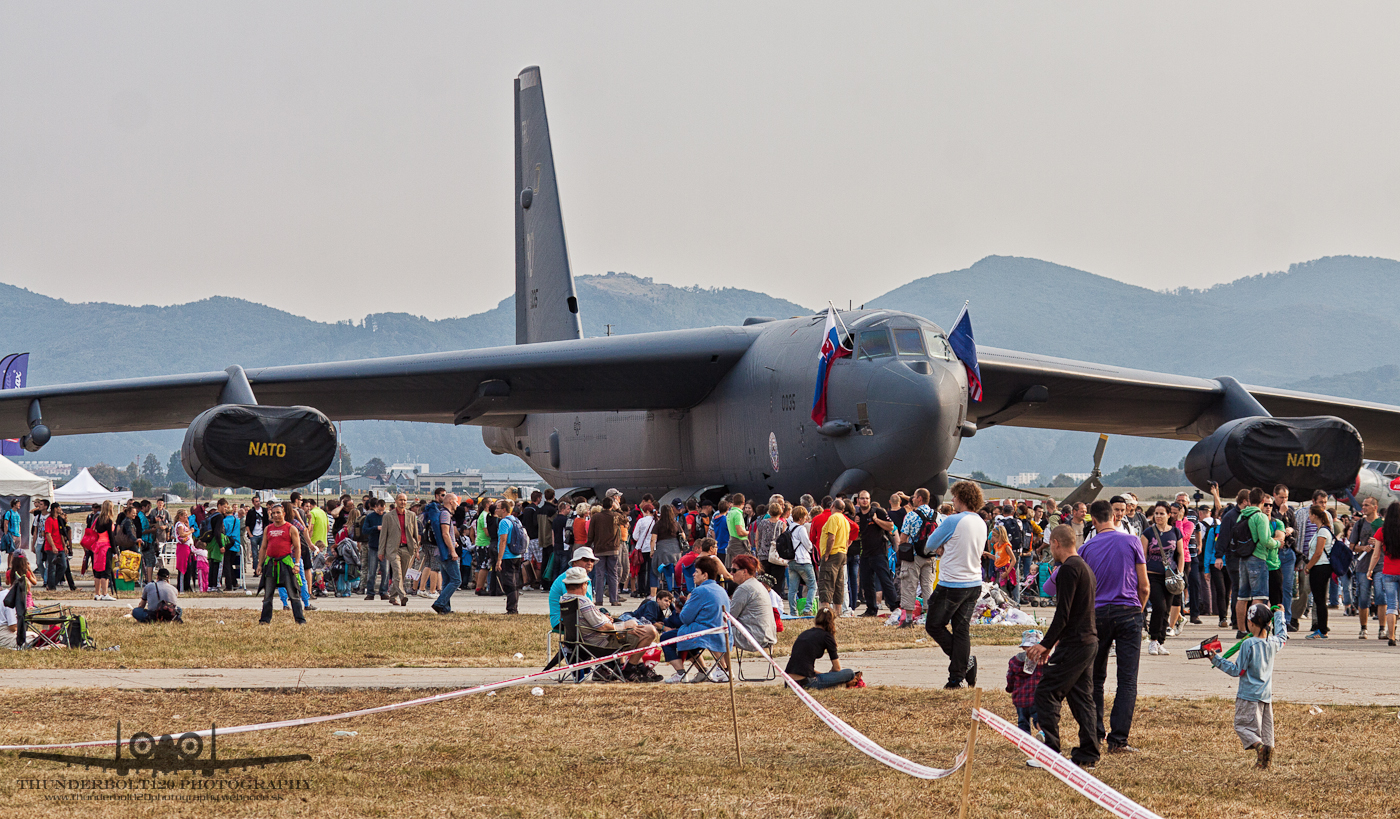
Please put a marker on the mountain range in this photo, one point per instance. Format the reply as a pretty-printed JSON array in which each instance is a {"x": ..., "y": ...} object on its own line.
[{"x": 1308, "y": 328}]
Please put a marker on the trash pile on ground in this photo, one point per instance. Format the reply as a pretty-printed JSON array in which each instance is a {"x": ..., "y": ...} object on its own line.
[{"x": 993, "y": 608}]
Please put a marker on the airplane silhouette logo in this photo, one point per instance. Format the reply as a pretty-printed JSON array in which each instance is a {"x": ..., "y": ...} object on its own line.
[{"x": 166, "y": 754}]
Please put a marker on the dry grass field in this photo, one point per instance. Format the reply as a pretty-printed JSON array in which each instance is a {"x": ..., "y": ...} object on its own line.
[
  {"x": 232, "y": 638},
  {"x": 594, "y": 751}
]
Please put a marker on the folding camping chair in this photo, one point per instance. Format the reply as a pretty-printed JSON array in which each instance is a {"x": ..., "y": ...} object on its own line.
[
  {"x": 768, "y": 674},
  {"x": 573, "y": 649},
  {"x": 57, "y": 626}
]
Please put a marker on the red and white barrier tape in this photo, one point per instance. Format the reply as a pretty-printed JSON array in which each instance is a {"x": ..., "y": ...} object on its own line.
[
  {"x": 862, "y": 743},
  {"x": 293, "y": 723},
  {"x": 1066, "y": 771}
]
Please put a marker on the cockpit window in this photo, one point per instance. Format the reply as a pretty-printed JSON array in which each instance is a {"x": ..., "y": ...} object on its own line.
[
  {"x": 875, "y": 343},
  {"x": 909, "y": 342},
  {"x": 938, "y": 345}
]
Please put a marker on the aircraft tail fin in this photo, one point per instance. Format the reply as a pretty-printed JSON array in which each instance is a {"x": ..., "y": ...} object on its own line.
[{"x": 546, "y": 306}]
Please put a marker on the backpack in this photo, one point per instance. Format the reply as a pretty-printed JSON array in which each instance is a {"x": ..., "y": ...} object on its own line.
[
  {"x": 784, "y": 545},
  {"x": 432, "y": 514},
  {"x": 919, "y": 545},
  {"x": 1014, "y": 533},
  {"x": 77, "y": 635},
  {"x": 166, "y": 612},
  {"x": 1241, "y": 539},
  {"x": 516, "y": 539}
]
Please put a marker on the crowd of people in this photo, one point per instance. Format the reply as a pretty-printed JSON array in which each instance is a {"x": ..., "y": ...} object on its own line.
[{"x": 1116, "y": 572}]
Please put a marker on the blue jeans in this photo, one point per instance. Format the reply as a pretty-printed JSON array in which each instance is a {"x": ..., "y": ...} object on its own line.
[
  {"x": 829, "y": 679},
  {"x": 852, "y": 580},
  {"x": 1254, "y": 580},
  {"x": 451, "y": 581},
  {"x": 1390, "y": 588},
  {"x": 1287, "y": 561},
  {"x": 800, "y": 573},
  {"x": 375, "y": 566},
  {"x": 282, "y": 592},
  {"x": 1119, "y": 626},
  {"x": 1024, "y": 718},
  {"x": 1364, "y": 588}
]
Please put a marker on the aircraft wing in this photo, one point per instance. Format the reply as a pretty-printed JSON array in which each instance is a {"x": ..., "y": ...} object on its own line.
[
  {"x": 1080, "y": 395},
  {"x": 669, "y": 370}
]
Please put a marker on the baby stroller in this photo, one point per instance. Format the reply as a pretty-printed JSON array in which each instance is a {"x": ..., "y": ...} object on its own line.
[
  {"x": 318, "y": 574},
  {"x": 345, "y": 567}
]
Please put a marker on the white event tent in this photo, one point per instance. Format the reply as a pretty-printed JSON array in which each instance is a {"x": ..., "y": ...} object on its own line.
[
  {"x": 84, "y": 488},
  {"x": 16, "y": 482}
]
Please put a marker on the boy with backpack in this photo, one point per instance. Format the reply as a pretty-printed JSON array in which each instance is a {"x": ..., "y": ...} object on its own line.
[
  {"x": 510, "y": 554},
  {"x": 1254, "y": 709}
]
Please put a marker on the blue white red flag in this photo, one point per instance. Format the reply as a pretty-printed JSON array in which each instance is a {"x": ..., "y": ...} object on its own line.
[
  {"x": 965, "y": 348},
  {"x": 832, "y": 349},
  {"x": 14, "y": 373}
]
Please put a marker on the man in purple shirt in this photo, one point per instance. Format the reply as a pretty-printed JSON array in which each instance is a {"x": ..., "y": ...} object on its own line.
[{"x": 1119, "y": 564}]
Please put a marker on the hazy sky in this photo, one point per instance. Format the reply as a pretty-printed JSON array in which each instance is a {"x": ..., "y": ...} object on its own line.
[{"x": 341, "y": 158}]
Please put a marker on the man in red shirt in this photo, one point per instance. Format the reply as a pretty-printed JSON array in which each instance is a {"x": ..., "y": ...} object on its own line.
[{"x": 55, "y": 552}]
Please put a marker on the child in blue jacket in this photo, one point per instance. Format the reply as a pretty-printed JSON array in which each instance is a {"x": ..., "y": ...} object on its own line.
[{"x": 1254, "y": 665}]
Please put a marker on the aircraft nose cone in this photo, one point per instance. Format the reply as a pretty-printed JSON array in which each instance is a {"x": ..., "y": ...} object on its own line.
[{"x": 913, "y": 420}]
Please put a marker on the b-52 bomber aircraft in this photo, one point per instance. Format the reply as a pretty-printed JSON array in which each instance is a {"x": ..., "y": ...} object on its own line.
[{"x": 689, "y": 412}]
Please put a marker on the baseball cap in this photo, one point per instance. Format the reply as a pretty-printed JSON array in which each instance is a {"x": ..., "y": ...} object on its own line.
[
  {"x": 575, "y": 575},
  {"x": 1031, "y": 637},
  {"x": 584, "y": 553},
  {"x": 611, "y": 493},
  {"x": 1260, "y": 615}
]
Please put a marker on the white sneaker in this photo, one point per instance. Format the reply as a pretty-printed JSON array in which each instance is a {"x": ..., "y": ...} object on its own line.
[
  {"x": 1153, "y": 648},
  {"x": 717, "y": 675},
  {"x": 1162, "y": 650},
  {"x": 1171, "y": 632},
  {"x": 678, "y": 677},
  {"x": 848, "y": 613},
  {"x": 1035, "y": 763}
]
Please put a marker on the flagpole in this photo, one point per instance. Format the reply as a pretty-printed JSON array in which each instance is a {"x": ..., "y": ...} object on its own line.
[{"x": 837, "y": 313}]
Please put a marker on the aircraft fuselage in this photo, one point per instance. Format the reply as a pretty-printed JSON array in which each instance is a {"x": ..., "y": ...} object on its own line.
[{"x": 901, "y": 394}]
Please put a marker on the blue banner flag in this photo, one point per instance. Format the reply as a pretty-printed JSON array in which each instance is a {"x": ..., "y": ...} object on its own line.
[{"x": 14, "y": 374}]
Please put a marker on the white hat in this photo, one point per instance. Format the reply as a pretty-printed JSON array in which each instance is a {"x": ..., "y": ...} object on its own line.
[
  {"x": 584, "y": 553},
  {"x": 575, "y": 576}
]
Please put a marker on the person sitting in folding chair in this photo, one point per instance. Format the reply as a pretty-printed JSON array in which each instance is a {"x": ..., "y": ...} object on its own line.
[
  {"x": 704, "y": 609},
  {"x": 598, "y": 631},
  {"x": 751, "y": 606}
]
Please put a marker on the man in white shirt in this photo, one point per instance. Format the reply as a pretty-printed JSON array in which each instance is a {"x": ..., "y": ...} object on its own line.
[
  {"x": 9, "y": 627},
  {"x": 958, "y": 543}
]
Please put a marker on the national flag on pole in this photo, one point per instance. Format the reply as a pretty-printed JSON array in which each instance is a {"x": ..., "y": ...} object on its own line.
[
  {"x": 832, "y": 349},
  {"x": 965, "y": 348},
  {"x": 14, "y": 373}
]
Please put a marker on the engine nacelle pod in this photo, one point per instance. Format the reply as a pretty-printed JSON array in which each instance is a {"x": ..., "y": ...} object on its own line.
[
  {"x": 1304, "y": 454},
  {"x": 258, "y": 447}
]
